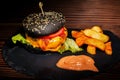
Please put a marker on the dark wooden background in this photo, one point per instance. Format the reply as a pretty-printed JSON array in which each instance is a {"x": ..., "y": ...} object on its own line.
[{"x": 78, "y": 13}]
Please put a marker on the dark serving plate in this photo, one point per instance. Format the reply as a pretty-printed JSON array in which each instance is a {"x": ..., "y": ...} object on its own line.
[{"x": 43, "y": 66}]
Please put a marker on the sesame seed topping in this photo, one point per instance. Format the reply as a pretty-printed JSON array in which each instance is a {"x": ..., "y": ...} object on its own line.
[{"x": 36, "y": 22}]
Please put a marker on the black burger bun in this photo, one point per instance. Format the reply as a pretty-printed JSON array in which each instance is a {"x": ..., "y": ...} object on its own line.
[{"x": 38, "y": 25}]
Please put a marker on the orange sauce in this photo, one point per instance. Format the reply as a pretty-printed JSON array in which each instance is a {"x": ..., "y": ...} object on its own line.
[{"x": 78, "y": 63}]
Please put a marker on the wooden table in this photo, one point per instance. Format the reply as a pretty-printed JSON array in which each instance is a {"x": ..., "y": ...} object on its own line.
[{"x": 79, "y": 14}]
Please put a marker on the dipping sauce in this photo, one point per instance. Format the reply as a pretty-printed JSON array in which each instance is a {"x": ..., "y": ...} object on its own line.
[{"x": 77, "y": 63}]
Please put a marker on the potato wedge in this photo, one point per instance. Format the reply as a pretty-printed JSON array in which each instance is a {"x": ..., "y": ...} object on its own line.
[
  {"x": 76, "y": 34},
  {"x": 108, "y": 48},
  {"x": 97, "y": 29},
  {"x": 80, "y": 40},
  {"x": 96, "y": 35},
  {"x": 91, "y": 49},
  {"x": 95, "y": 42}
]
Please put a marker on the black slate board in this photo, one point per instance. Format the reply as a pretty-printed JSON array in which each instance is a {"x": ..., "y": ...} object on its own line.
[{"x": 43, "y": 66}]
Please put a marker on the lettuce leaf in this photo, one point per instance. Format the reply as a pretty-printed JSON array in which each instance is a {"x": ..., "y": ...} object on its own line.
[
  {"x": 19, "y": 38},
  {"x": 70, "y": 45}
]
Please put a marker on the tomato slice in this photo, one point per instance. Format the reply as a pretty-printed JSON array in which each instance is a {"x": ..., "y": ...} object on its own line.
[
  {"x": 60, "y": 32},
  {"x": 45, "y": 43}
]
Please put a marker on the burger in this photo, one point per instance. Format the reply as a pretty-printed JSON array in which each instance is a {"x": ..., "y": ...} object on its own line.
[{"x": 45, "y": 33}]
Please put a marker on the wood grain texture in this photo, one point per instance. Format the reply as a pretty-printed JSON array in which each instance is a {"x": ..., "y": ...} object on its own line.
[{"x": 88, "y": 12}]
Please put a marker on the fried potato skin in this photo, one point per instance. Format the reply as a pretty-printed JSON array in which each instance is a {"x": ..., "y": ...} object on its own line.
[
  {"x": 94, "y": 38},
  {"x": 91, "y": 49},
  {"x": 81, "y": 40},
  {"x": 94, "y": 42},
  {"x": 108, "y": 48},
  {"x": 97, "y": 29},
  {"x": 77, "y": 34},
  {"x": 93, "y": 34}
]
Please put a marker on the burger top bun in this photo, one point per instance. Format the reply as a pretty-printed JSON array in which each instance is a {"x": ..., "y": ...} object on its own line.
[{"x": 38, "y": 25}]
